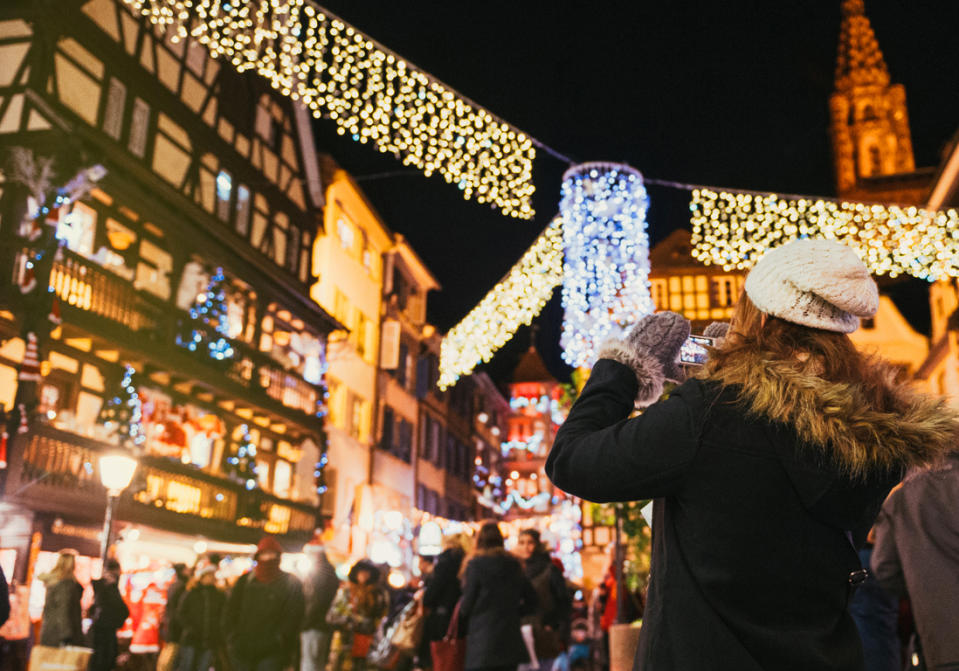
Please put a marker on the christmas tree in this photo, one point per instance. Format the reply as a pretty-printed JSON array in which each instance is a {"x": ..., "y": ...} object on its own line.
[
  {"x": 121, "y": 413},
  {"x": 241, "y": 466},
  {"x": 209, "y": 327}
]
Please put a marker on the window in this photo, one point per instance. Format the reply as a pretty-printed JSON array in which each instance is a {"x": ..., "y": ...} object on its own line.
[
  {"x": 346, "y": 234},
  {"x": 242, "y": 209},
  {"x": 78, "y": 229},
  {"x": 358, "y": 423},
  {"x": 224, "y": 189},
  {"x": 139, "y": 126},
  {"x": 386, "y": 441},
  {"x": 264, "y": 124},
  {"x": 875, "y": 160},
  {"x": 657, "y": 291},
  {"x": 724, "y": 291},
  {"x": 400, "y": 374},
  {"x": 113, "y": 114}
]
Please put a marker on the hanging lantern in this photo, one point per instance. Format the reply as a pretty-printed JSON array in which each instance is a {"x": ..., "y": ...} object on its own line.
[{"x": 606, "y": 256}]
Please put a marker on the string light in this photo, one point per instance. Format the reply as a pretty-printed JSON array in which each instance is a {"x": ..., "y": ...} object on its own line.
[
  {"x": 512, "y": 303},
  {"x": 733, "y": 230},
  {"x": 372, "y": 95},
  {"x": 606, "y": 255}
]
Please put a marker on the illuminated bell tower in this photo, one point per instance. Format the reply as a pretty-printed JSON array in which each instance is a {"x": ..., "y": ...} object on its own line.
[{"x": 869, "y": 124}]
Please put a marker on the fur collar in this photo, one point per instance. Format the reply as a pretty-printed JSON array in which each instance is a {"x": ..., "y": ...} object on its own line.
[{"x": 913, "y": 430}]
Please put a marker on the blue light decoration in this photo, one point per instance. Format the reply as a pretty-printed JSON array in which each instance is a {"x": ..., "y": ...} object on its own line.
[
  {"x": 241, "y": 466},
  {"x": 209, "y": 313},
  {"x": 123, "y": 412},
  {"x": 606, "y": 256}
]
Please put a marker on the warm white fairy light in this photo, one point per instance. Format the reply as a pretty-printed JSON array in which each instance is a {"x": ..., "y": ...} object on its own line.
[
  {"x": 512, "y": 303},
  {"x": 370, "y": 93},
  {"x": 733, "y": 230},
  {"x": 606, "y": 255}
]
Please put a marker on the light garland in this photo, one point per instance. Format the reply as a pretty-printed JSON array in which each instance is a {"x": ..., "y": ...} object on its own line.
[
  {"x": 606, "y": 255},
  {"x": 512, "y": 303},
  {"x": 734, "y": 230},
  {"x": 371, "y": 94}
]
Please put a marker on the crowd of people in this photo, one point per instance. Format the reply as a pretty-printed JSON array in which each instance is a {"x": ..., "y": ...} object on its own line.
[{"x": 271, "y": 620}]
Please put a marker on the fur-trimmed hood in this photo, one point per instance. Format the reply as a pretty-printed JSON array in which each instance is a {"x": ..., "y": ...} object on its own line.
[{"x": 912, "y": 430}]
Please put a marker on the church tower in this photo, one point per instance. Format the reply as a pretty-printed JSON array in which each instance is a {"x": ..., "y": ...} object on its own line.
[{"x": 869, "y": 124}]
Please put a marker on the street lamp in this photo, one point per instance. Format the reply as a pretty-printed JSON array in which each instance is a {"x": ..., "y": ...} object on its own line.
[{"x": 116, "y": 472}]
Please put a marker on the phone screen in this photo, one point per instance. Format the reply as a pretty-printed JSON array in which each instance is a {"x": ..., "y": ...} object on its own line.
[{"x": 694, "y": 352}]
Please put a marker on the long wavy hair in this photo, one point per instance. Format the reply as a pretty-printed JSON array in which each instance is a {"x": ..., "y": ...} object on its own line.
[
  {"x": 64, "y": 569},
  {"x": 829, "y": 355}
]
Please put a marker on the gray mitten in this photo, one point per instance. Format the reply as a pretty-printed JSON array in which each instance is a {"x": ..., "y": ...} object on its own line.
[
  {"x": 651, "y": 350},
  {"x": 717, "y": 331}
]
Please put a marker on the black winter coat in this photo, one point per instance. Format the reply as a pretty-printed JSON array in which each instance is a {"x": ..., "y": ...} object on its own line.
[
  {"x": 442, "y": 592},
  {"x": 496, "y": 596},
  {"x": 763, "y": 479},
  {"x": 4, "y": 599},
  {"x": 319, "y": 589},
  {"x": 917, "y": 553},
  {"x": 199, "y": 615},
  {"x": 263, "y": 620}
]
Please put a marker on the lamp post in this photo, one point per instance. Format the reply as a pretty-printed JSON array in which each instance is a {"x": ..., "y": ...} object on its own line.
[{"x": 116, "y": 472}]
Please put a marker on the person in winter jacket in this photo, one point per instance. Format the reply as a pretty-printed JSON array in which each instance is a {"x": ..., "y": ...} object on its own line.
[
  {"x": 169, "y": 625},
  {"x": 357, "y": 610},
  {"x": 441, "y": 592},
  {"x": 917, "y": 553},
  {"x": 199, "y": 615},
  {"x": 4, "y": 599},
  {"x": 550, "y": 621},
  {"x": 319, "y": 589},
  {"x": 496, "y": 595},
  {"x": 261, "y": 620},
  {"x": 61, "y": 609},
  {"x": 767, "y": 468},
  {"x": 108, "y": 614}
]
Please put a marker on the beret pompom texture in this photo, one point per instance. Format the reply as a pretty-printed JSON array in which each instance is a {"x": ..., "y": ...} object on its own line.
[{"x": 817, "y": 283}]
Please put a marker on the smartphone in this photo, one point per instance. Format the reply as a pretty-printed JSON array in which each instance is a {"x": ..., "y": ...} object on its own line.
[{"x": 694, "y": 352}]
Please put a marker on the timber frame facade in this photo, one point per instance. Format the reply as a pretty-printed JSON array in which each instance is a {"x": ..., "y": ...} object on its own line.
[{"x": 209, "y": 173}]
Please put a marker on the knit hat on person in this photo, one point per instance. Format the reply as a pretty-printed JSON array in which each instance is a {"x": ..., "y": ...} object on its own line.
[
  {"x": 269, "y": 544},
  {"x": 821, "y": 284}
]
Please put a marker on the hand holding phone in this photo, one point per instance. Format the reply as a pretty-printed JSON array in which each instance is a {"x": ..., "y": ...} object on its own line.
[{"x": 694, "y": 351}]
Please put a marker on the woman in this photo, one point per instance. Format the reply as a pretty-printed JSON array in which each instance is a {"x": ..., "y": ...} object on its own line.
[
  {"x": 356, "y": 613},
  {"x": 767, "y": 469},
  {"x": 550, "y": 621},
  {"x": 496, "y": 595},
  {"x": 61, "y": 609},
  {"x": 199, "y": 615},
  {"x": 108, "y": 614},
  {"x": 441, "y": 592}
]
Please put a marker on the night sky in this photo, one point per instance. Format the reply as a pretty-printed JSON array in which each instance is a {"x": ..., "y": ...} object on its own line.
[{"x": 732, "y": 93}]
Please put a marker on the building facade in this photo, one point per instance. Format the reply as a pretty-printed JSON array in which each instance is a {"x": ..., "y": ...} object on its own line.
[{"x": 158, "y": 217}]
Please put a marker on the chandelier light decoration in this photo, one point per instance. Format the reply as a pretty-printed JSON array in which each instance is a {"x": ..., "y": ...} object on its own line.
[
  {"x": 512, "y": 303},
  {"x": 371, "y": 94},
  {"x": 734, "y": 229},
  {"x": 606, "y": 255}
]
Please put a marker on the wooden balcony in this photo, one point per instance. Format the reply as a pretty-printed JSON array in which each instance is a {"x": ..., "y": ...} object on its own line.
[
  {"x": 108, "y": 306},
  {"x": 57, "y": 471}
]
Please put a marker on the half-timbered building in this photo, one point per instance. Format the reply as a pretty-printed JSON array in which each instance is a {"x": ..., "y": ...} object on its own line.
[{"x": 157, "y": 219}]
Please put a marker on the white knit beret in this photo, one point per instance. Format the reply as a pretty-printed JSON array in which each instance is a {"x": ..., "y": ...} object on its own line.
[{"x": 816, "y": 283}]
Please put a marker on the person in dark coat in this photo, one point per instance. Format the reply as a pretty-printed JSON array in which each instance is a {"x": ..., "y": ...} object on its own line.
[
  {"x": 441, "y": 592},
  {"x": 917, "y": 553},
  {"x": 319, "y": 588},
  {"x": 169, "y": 626},
  {"x": 767, "y": 468},
  {"x": 199, "y": 615},
  {"x": 262, "y": 617},
  {"x": 62, "y": 613},
  {"x": 108, "y": 614},
  {"x": 550, "y": 621},
  {"x": 496, "y": 595},
  {"x": 4, "y": 599},
  {"x": 876, "y": 613}
]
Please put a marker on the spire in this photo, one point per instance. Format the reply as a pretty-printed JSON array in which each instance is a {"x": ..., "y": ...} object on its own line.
[{"x": 860, "y": 61}]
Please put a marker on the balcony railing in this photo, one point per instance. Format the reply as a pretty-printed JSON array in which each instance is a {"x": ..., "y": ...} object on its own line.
[
  {"x": 85, "y": 286},
  {"x": 58, "y": 460}
]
